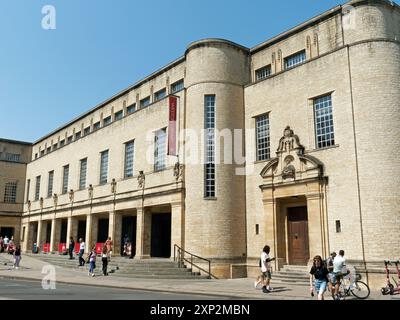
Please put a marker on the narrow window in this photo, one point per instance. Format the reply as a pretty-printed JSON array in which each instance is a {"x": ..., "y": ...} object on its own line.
[
  {"x": 209, "y": 170},
  {"x": 50, "y": 184},
  {"x": 62, "y": 143},
  {"x": 37, "y": 188},
  {"x": 338, "y": 226},
  {"x": 69, "y": 140},
  {"x": 86, "y": 131},
  {"x": 160, "y": 149},
  {"x": 48, "y": 150},
  {"x": 263, "y": 137},
  {"x": 77, "y": 135},
  {"x": 103, "y": 167},
  {"x": 324, "y": 131},
  {"x": 106, "y": 121},
  {"x": 65, "y": 179},
  {"x": 28, "y": 187},
  {"x": 96, "y": 126},
  {"x": 82, "y": 174},
  {"x": 131, "y": 109},
  {"x": 129, "y": 158},
  {"x": 257, "y": 229}
]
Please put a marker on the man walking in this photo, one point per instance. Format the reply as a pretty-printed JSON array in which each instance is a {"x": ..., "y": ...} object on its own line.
[
  {"x": 71, "y": 247},
  {"x": 81, "y": 252}
]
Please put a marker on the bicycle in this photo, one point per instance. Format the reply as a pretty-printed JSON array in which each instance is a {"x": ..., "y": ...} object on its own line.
[{"x": 358, "y": 289}]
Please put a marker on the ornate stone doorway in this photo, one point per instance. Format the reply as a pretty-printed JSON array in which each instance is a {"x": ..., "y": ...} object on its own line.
[{"x": 299, "y": 252}]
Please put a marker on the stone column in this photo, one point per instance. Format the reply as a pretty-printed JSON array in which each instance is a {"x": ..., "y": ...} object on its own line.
[
  {"x": 53, "y": 239},
  {"x": 89, "y": 232},
  {"x": 114, "y": 231},
  {"x": 72, "y": 229},
  {"x": 315, "y": 225},
  {"x": 177, "y": 226},
  {"x": 26, "y": 236},
  {"x": 143, "y": 234},
  {"x": 270, "y": 225},
  {"x": 39, "y": 234}
]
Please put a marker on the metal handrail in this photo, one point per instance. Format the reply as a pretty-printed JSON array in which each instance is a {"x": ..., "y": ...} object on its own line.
[{"x": 179, "y": 254}]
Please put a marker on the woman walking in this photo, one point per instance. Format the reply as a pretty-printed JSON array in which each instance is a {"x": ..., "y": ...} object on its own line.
[
  {"x": 17, "y": 257},
  {"x": 92, "y": 261},
  {"x": 320, "y": 273},
  {"x": 104, "y": 259}
]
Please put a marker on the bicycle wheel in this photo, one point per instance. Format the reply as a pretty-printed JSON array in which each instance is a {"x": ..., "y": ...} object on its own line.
[{"x": 360, "y": 290}]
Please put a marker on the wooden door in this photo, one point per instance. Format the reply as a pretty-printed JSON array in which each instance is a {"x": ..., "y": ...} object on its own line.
[{"x": 299, "y": 253}]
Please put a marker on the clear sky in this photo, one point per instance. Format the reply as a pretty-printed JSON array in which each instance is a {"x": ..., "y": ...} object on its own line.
[{"x": 100, "y": 47}]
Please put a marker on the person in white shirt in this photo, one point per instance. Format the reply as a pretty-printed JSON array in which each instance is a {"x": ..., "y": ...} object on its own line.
[
  {"x": 339, "y": 264},
  {"x": 266, "y": 269},
  {"x": 82, "y": 247}
]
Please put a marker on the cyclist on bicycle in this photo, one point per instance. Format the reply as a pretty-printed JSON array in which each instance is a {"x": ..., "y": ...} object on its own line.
[{"x": 339, "y": 264}]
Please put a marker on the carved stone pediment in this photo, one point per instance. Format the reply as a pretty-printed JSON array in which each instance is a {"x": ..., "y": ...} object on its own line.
[{"x": 290, "y": 163}]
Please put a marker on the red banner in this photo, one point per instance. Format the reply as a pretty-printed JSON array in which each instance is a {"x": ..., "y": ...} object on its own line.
[
  {"x": 99, "y": 247},
  {"x": 172, "y": 126},
  {"x": 62, "y": 248},
  {"x": 77, "y": 247},
  {"x": 46, "y": 247}
]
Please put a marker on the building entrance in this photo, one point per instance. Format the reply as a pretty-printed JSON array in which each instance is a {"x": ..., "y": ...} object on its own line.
[
  {"x": 161, "y": 235},
  {"x": 299, "y": 252}
]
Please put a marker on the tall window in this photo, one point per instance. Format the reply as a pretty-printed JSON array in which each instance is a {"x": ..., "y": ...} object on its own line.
[
  {"x": 28, "y": 187},
  {"x": 10, "y": 192},
  {"x": 177, "y": 86},
  {"x": 104, "y": 167},
  {"x": 82, "y": 174},
  {"x": 37, "y": 188},
  {"x": 160, "y": 149},
  {"x": 263, "y": 73},
  {"x": 209, "y": 113},
  {"x": 129, "y": 156},
  {"x": 65, "y": 179},
  {"x": 296, "y": 59},
  {"x": 263, "y": 137},
  {"x": 78, "y": 135},
  {"x": 324, "y": 131},
  {"x": 50, "y": 184}
]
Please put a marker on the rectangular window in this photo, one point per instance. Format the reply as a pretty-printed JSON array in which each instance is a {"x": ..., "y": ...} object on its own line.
[
  {"x": 324, "y": 131},
  {"x": 118, "y": 115},
  {"x": 28, "y": 187},
  {"x": 50, "y": 184},
  {"x": 106, "y": 121},
  {"x": 77, "y": 135},
  {"x": 82, "y": 175},
  {"x": 145, "y": 102},
  {"x": 62, "y": 143},
  {"x": 55, "y": 146},
  {"x": 48, "y": 150},
  {"x": 209, "y": 170},
  {"x": 10, "y": 192},
  {"x": 69, "y": 140},
  {"x": 42, "y": 153},
  {"x": 36, "y": 155},
  {"x": 96, "y": 126},
  {"x": 338, "y": 226},
  {"x": 86, "y": 131},
  {"x": 104, "y": 167},
  {"x": 131, "y": 108},
  {"x": 177, "y": 86},
  {"x": 37, "y": 188},
  {"x": 65, "y": 179},
  {"x": 263, "y": 137},
  {"x": 129, "y": 157},
  {"x": 160, "y": 149},
  {"x": 13, "y": 157},
  {"x": 263, "y": 73},
  {"x": 160, "y": 94},
  {"x": 23, "y": 234},
  {"x": 295, "y": 59}
]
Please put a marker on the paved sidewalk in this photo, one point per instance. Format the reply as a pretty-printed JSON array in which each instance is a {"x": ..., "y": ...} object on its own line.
[{"x": 31, "y": 268}]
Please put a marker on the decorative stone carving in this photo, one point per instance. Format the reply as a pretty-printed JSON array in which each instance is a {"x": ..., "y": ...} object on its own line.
[
  {"x": 71, "y": 195},
  {"x": 113, "y": 186},
  {"x": 41, "y": 201},
  {"x": 178, "y": 171},
  {"x": 55, "y": 199},
  {"x": 90, "y": 191},
  {"x": 290, "y": 163},
  {"x": 141, "y": 179}
]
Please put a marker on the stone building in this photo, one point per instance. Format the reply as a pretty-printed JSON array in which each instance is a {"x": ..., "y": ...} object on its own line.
[
  {"x": 317, "y": 110},
  {"x": 14, "y": 156}
]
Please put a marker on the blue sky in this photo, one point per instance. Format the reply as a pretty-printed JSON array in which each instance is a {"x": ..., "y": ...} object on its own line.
[{"x": 100, "y": 47}]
